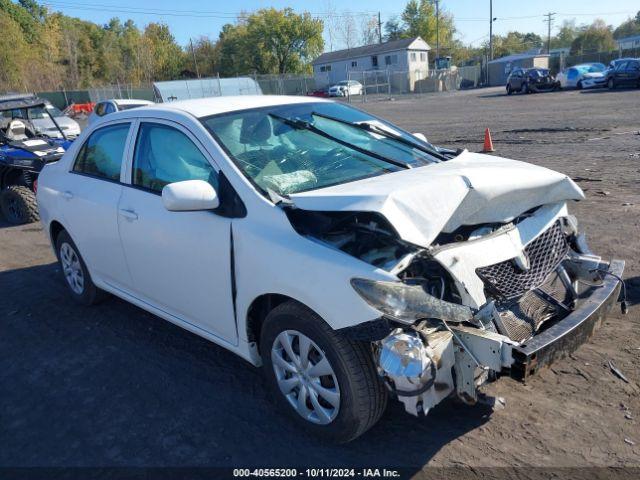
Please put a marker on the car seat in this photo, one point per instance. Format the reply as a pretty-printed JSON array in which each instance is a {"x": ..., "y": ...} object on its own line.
[{"x": 16, "y": 131}]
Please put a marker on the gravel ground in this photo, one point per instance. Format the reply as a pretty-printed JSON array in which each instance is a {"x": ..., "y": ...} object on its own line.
[{"x": 115, "y": 386}]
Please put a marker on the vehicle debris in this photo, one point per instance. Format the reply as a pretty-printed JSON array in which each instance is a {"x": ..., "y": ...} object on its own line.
[
  {"x": 616, "y": 371},
  {"x": 629, "y": 441}
]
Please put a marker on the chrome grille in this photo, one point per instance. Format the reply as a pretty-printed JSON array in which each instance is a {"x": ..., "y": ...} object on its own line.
[{"x": 506, "y": 280}]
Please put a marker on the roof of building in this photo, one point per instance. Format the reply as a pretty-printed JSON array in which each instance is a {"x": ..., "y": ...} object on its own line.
[
  {"x": 518, "y": 56},
  {"x": 366, "y": 50},
  {"x": 626, "y": 39}
]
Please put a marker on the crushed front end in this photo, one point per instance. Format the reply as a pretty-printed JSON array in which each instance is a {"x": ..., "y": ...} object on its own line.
[{"x": 485, "y": 301}]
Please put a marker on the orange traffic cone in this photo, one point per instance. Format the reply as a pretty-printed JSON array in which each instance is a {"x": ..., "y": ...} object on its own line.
[{"x": 488, "y": 143}]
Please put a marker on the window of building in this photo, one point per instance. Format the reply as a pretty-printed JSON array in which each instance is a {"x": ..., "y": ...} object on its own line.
[
  {"x": 354, "y": 64},
  {"x": 325, "y": 68},
  {"x": 391, "y": 59},
  {"x": 423, "y": 57},
  {"x": 413, "y": 56},
  {"x": 374, "y": 61}
]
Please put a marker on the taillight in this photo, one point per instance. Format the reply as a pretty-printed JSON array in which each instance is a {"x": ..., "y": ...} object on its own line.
[{"x": 35, "y": 186}]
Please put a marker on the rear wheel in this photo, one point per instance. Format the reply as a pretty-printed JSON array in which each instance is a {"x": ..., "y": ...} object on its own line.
[
  {"x": 75, "y": 272},
  {"x": 509, "y": 91},
  {"x": 579, "y": 85},
  {"x": 19, "y": 205},
  {"x": 326, "y": 382},
  {"x": 524, "y": 88}
]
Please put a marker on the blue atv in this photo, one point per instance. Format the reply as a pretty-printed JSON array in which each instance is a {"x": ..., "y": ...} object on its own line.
[{"x": 23, "y": 153}]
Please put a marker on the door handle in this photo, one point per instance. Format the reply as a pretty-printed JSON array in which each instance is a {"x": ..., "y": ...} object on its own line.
[
  {"x": 67, "y": 195},
  {"x": 129, "y": 214}
]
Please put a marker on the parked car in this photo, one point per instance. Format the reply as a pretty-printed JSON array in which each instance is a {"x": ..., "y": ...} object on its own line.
[
  {"x": 24, "y": 150},
  {"x": 531, "y": 80},
  {"x": 106, "y": 107},
  {"x": 346, "y": 87},
  {"x": 574, "y": 77},
  {"x": 41, "y": 118},
  {"x": 625, "y": 74},
  {"x": 599, "y": 80},
  {"x": 350, "y": 259}
]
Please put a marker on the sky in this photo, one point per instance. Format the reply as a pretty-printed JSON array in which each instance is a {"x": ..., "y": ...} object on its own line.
[{"x": 193, "y": 18}]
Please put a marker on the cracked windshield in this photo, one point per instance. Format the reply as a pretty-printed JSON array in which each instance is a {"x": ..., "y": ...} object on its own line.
[{"x": 294, "y": 148}]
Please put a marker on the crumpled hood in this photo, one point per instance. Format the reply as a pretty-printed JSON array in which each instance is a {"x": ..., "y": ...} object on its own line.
[{"x": 467, "y": 190}]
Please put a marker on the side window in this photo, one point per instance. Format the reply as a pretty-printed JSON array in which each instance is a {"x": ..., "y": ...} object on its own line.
[
  {"x": 101, "y": 154},
  {"x": 100, "y": 109},
  {"x": 109, "y": 108},
  {"x": 165, "y": 155}
]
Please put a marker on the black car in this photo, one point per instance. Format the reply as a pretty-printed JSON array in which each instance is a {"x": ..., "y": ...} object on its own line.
[
  {"x": 528, "y": 80},
  {"x": 626, "y": 73}
]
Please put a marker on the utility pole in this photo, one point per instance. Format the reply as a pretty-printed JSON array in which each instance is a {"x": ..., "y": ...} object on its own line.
[
  {"x": 195, "y": 62},
  {"x": 379, "y": 29},
  {"x": 437, "y": 29},
  {"x": 491, "y": 30},
  {"x": 549, "y": 20}
]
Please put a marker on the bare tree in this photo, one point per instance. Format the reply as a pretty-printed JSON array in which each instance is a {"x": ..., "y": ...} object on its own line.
[
  {"x": 347, "y": 29},
  {"x": 330, "y": 24},
  {"x": 369, "y": 30}
]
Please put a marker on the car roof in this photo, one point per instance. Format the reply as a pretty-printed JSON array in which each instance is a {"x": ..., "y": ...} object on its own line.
[
  {"x": 203, "y": 107},
  {"x": 129, "y": 101},
  {"x": 24, "y": 102}
]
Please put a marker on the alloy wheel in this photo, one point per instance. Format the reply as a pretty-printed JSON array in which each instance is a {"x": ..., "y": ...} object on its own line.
[
  {"x": 72, "y": 268},
  {"x": 305, "y": 377}
]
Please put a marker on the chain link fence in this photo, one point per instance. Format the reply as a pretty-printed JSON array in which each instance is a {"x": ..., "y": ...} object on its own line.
[
  {"x": 564, "y": 61},
  {"x": 384, "y": 84}
]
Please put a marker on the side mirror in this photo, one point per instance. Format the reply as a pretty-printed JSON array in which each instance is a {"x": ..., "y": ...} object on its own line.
[
  {"x": 421, "y": 136},
  {"x": 189, "y": 195}
]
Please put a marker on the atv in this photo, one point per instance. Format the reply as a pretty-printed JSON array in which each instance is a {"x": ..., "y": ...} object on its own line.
[{"x": 23, "y": 153}]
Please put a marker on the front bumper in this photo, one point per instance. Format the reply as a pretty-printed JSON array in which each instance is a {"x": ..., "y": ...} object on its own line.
[{"x": 566, "y": 336}]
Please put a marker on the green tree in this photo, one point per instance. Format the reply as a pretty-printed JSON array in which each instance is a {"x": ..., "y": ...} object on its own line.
[
  {"x": 393, "y": 29},
  {"x": 596, "y": 37},
  {"x": 270, "y": 41},
  {"x": 13, "y": 48},
  {"x": 566, "y": 35},
  {"x": 628, "y": 28}
]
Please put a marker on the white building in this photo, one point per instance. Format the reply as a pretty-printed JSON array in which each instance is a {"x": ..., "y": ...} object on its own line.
[
  {"x": 628, "y": 42},
  {"x": 407, "y": 54}
]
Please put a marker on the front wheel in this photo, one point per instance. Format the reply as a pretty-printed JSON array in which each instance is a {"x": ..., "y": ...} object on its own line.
[
  {"x": 325, "y": 381},
  {"x": 19, "y": 205},
  {"x": 611, "y": 84},
  {"x": 509, "y": 91},
  {"x": 579, "y": 85}
]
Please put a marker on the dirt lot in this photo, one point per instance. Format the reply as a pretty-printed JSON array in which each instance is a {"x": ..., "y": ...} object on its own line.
[{"x": 115, "y": 386}]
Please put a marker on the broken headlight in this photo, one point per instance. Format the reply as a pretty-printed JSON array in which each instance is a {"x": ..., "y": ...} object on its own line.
[{"x": 407, "y": 303}]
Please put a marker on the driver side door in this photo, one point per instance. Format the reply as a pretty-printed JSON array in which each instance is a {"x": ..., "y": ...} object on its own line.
[{"x": 180, "y": 262}]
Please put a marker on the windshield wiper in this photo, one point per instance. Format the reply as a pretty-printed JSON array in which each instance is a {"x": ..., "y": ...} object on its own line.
[
  {"x": 373, "y": 128},
  {"x": 300, "y": 124}
]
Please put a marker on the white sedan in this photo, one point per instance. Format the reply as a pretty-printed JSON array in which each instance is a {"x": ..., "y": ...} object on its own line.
[
  {"x": 345, "y": 88},
  {"x": 352, "y": 260},
  {"x": 576, "y": 76},
  {"x": 105, "y": 107}
]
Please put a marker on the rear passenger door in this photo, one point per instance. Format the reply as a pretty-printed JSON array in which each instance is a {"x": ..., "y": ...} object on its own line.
[
  {"x": 180, "y": 262},
  {"x": 90, "y": 200}
]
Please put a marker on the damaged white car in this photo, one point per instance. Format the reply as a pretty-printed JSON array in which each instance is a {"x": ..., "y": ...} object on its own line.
[{"x": 352, "y": 260}]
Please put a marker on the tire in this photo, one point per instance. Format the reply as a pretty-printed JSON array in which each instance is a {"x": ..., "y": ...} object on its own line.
[
  {"x": 83, "y": 291},
  {"x": 524, "y": 88},
  {"x": 509, "y": 91},
  {"x": 611, "y": 84},
  {"x": 361, "y": 395},
  {"x": 19, "y": 205},
  {"x": 579, "y": 85}
]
